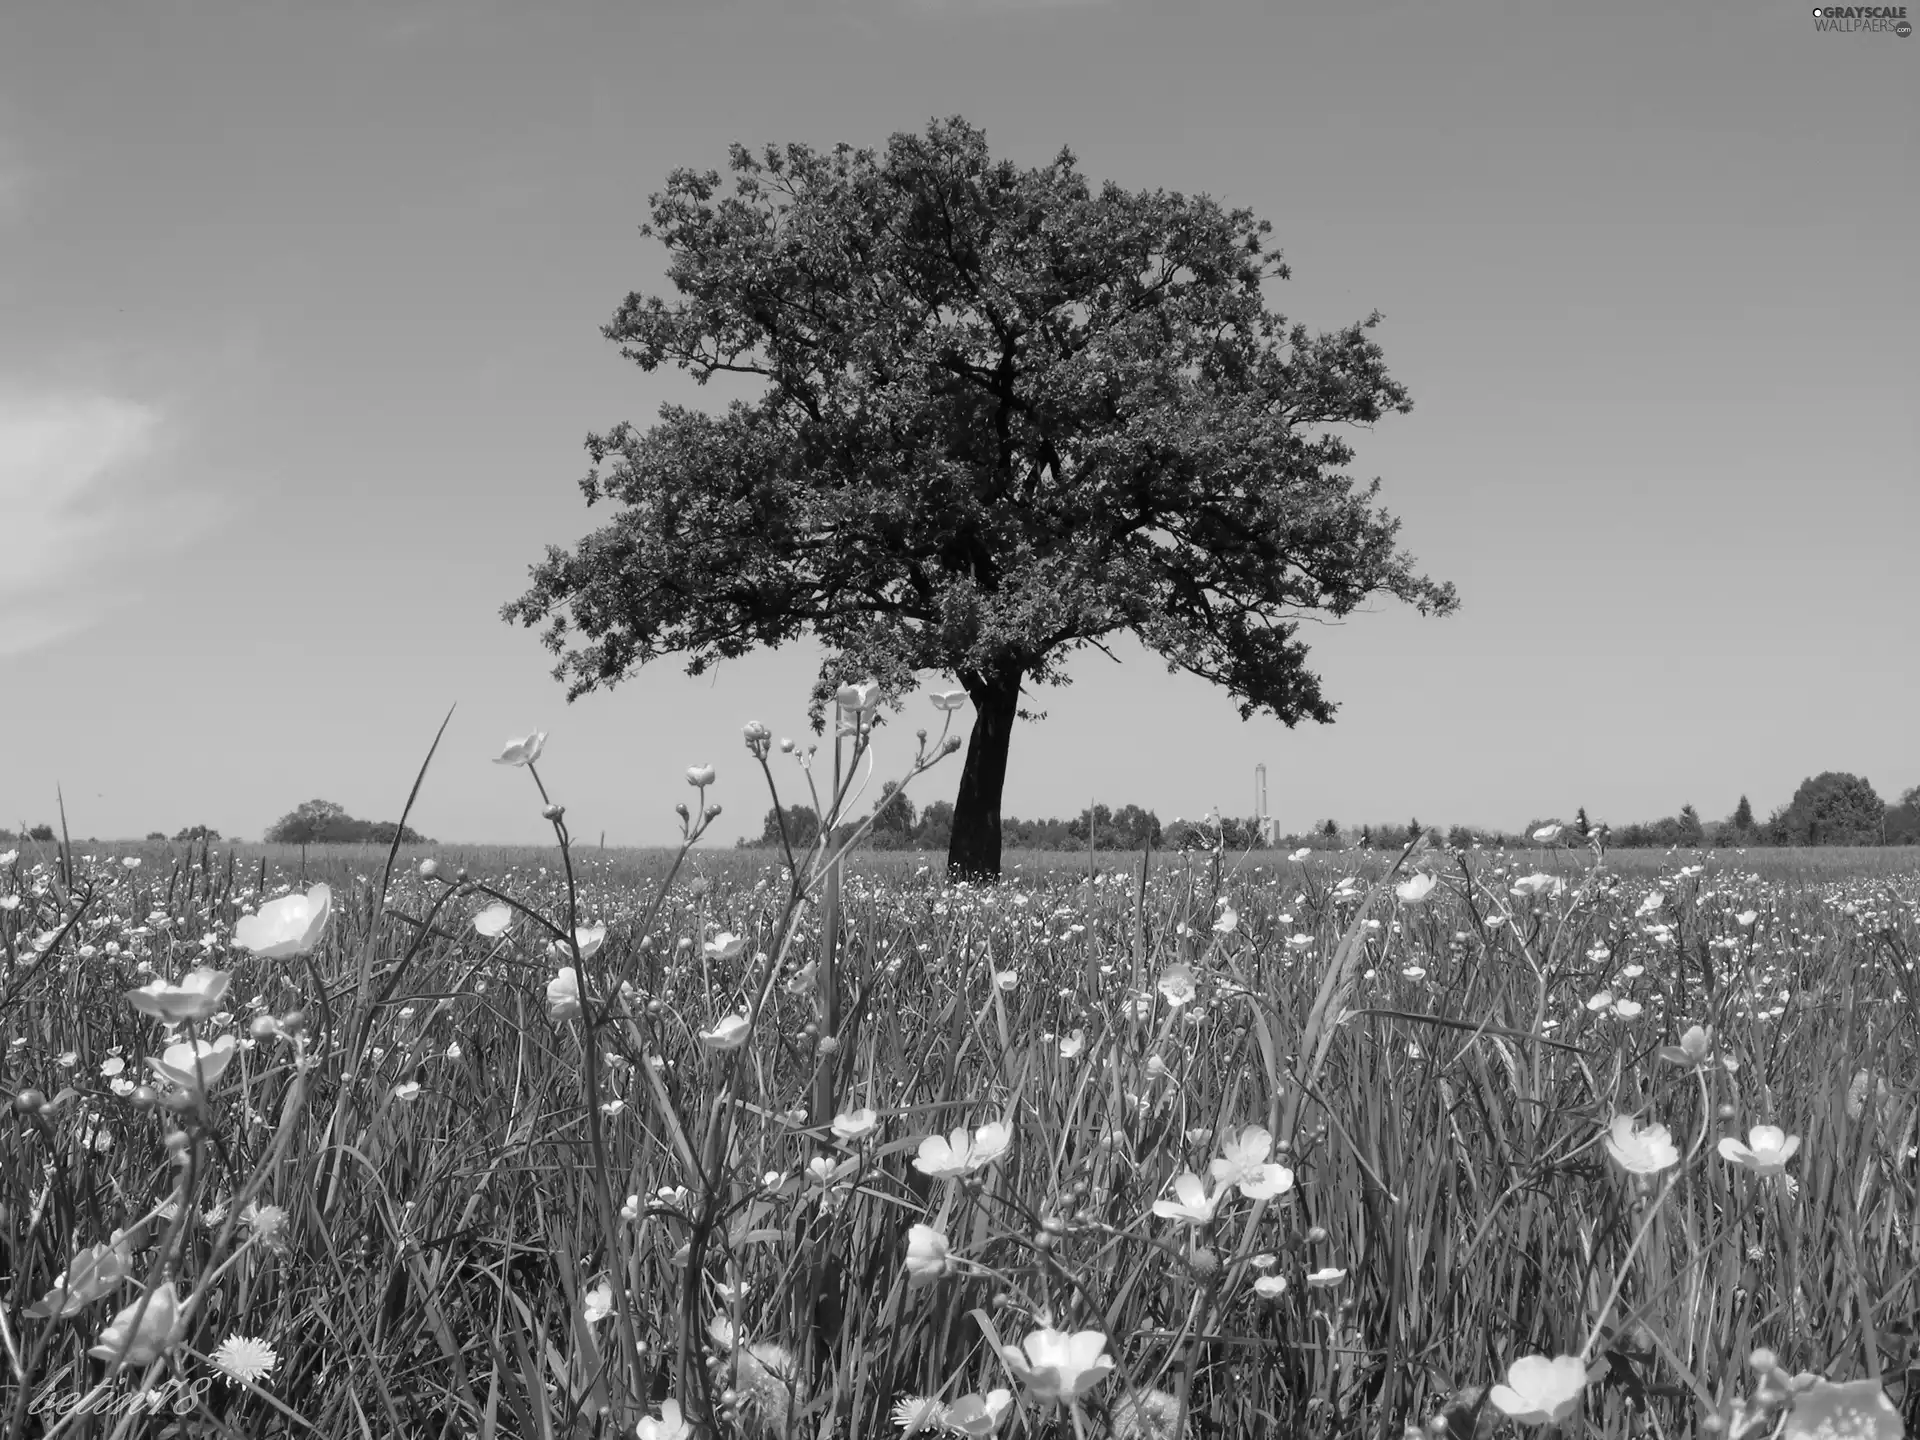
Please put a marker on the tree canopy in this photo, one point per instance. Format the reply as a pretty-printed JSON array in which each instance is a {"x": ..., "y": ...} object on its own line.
[{"x": 1003, "y": 418}]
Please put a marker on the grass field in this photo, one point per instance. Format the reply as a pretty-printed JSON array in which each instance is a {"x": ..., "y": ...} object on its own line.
[{"x": 1236, "y": 1146}]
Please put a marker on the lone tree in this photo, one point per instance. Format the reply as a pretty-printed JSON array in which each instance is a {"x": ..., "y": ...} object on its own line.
[{"x": 1003, "y": 418}]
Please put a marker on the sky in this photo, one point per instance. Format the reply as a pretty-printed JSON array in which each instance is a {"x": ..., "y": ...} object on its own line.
[{"x": 300, "y": 313}]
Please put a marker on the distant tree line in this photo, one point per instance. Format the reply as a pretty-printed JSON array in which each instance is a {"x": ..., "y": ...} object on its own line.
[{"x": 1828, "y": 809}]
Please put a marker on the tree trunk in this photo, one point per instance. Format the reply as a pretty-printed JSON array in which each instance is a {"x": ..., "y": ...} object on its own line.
[{"x": 974, "y": 851}]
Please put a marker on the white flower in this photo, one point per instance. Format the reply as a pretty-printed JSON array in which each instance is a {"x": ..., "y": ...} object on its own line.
[
  {"x": 493, "y": 920},
  {"x": 242, "y": 1358},
  {"x": 1243, "y": 1162},
  {"x": 196, "y": 997},
  {"x": 1640, "y": 1152},
  {"x": 1192, "y": 1205},
  {"x": 852, "y": 1126},
  {"x": 927, "y": 1257},
  {"x": 1057, "y": 1368},
  {"x": 563, "y": 994},
  {"x": 523, "y": 751},
  {"x": 1415, "y": 888},
  {"x": 144, "y": 1331},
  {"x": 670, "y": 1426},
  {"x": 978, "y": 1416},
  {"x": 195, "y": 1065},
  {"x": 1540, "y": 1391},
  {"x": 729, "y": 1033},
  {"x": 289, "y": 926},
  {"x": 724, "y": 946},
  {"x": 1767, "y": 1151},
  {"x": 597, "y": 1304}
]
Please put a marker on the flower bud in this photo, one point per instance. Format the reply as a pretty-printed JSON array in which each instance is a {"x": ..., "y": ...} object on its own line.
[
  {"x": 553, "y": 812},
  {"x": 30, "y": 1102},
  {"x": 712, "y": 812},
  {"x": 786, "y": 746},
  {"x": 681, "y": 811},
  {"x": 264, "y": 1027}
]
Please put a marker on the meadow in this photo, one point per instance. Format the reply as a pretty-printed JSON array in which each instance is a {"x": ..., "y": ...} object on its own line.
[{"x": 488, "y": 1142}]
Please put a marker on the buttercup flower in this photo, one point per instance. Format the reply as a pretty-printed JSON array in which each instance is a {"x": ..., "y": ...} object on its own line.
[
  {"x": 1640, "y": 1152},
  {"x": 289, "y": 926},
  {"x": 724, "y": 946},
  {"x": 494, "y": 920},
  {"x": 1547, "y": 834},
  {"x": 944, "y": 1157},
  {"x": 1415, "y": 888},
  {"x": 1243, "y": 1161},
  {"x": 1767, "y": 1151},
  {"x": 144, "y": 1331},
  {"x": 1191, "y": 1205},
  {"x": 1176, "y": 984},
  {"x": 862, "y": 697},
  {"x": 1540, "y": 1391},
  {"x": 699, "y": 776},
  {"x": 1530, "y": 887},
  {"x": 195, "y": 1065},
  {"x": 948, "y": 699},
  {"x": 243, "y": 1358},
  {"x": 1228, "y": 922},
  {"x": 927, "y": 1257},
  {"x": 563, "y": 994},
  {"x": 196, "y": 997},
  {"x": 1693, "y": 1049},
  {"x": 729, "y": 1033},
  {"x": 978, "y": 1416},
  {"x": 523, "y": 751},
  {"x": 670, "y": 1426},
  {"x": 597, "y": 1304},
  {"x": 1057, "y": 1368},
  {"x": 855, "y": 1125},
  {"x": 1326, "y": 1277}
]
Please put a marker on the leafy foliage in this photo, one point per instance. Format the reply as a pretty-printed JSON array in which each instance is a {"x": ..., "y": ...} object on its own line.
[
  {"x": 321, "y": 822},
  {"x": 1004, "y": 417}
]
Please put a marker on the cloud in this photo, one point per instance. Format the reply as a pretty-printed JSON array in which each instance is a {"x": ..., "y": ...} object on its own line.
[{"x": 81, "y": 507}]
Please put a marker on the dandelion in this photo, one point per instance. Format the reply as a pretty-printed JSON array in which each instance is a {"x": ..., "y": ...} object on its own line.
[
  {"x": 1540, "y": 1391},
  {"x": 729, "y": 1033},
  {"x": 919, "y": 1414},
  {"x": 1640, "y": 1152},
  {"x": 523, "y": 751},
  {"x": 197, "y": 996},
  {"x": 144, "y": 1331},
  {"x": 1243, "y": 1162},
  {"x": 671, "y": 1425},
  {"x": 563, "y": 994},
  {"x": 1191, "y": 1205},
  {"x": 243, "y": 1359},
  {"x": 289, "y": 926},
  {"x": 927, "y": 1254},
  {"x": 1767, "y": 1151},
  {"x": 1056, "y": 1368}
]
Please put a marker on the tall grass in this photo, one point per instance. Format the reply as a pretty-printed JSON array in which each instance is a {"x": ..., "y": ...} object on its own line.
[{"x": 503, "y": 1223}]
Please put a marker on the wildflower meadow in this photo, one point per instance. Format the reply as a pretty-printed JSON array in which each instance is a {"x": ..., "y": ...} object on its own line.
[{"x": 1446, "y": 1142}]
